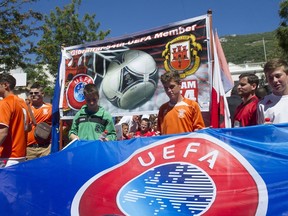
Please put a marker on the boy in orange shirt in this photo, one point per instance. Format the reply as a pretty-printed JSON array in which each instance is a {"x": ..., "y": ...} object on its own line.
[
  {"x": 179, "y": 114},
  {"x": 12, "y": 124}
]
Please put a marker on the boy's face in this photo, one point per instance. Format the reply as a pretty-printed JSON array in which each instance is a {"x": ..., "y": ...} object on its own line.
[
  {"x": 125, "y": 129},
  {"x": 92, "y": 102},
  {"x": 144, "y": 126},
  {"x": 278, "y": 80},
  {"x": 172, "y": 89}
]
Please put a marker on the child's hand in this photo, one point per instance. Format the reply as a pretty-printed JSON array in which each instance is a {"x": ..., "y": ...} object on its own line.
[{"x": 131, "y": 134}]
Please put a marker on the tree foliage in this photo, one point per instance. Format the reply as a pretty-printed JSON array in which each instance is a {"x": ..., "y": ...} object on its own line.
[
  {"x": 63, "y": 27},
  {"x": 282, "y": 31},
  {"x": 17, "y": 28}
]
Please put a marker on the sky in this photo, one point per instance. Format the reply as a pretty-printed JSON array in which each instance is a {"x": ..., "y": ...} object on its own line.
[{"x": 124, "y": 17}]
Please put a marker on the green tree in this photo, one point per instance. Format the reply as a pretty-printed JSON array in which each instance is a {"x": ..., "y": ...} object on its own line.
[
  {"x": 63, "y": 27},
  {"x": 282, "y": 31},
  {"x": 17, "y": 28},
  {"x": 39, "y": 73}
]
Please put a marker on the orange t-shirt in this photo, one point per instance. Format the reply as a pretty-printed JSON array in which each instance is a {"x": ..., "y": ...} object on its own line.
[
  {"x": 185, "y": 116},
  {"x": 14, "y": 145},
  {"x": 42, "y": 114}
]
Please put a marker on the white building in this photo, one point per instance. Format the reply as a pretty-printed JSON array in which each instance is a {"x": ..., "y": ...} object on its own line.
[
  {"x": 21, "y": 79},
  {"x": 236, "y": 70}
]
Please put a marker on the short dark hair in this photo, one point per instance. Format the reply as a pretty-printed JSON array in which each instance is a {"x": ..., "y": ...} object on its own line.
[
  {"x": 5, "y": 77},
  {"x": 90, "y": 89},
  {"x": 273, "y": 64},
  {"x": 261, "y": 92},
  {"x": 169, "y": 76},
  {"x": 37, "y": 85},
  {"x": 125, "y": 124},
  {"x": 251, "y": 78}
]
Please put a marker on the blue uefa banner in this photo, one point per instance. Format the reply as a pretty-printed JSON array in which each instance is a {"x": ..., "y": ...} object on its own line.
[{"x": 239, "y": 171}]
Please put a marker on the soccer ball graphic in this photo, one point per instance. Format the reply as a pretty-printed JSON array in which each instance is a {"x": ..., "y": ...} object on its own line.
[{"x": 131, "y": 79}]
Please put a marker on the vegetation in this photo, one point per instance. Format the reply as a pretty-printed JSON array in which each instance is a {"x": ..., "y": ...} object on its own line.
[
  {"x": 17, "y": 29},
  {"x": 250, "y": 48},
  {"x": 64, "y": 28},
  {"x": 240, "y": 49},
  {"x": 282, "y": 31}
]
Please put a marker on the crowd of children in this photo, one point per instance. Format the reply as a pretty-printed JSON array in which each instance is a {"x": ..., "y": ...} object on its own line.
[{"x": 143, "y": 126}]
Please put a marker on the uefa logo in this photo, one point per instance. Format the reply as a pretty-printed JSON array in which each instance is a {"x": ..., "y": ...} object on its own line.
[
  {"x": 74, "y": 93},
  {"x": 194, "y": 174}
]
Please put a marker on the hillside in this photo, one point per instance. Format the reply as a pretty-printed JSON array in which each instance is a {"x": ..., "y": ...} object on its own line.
[{"x": 239, "y": 49}]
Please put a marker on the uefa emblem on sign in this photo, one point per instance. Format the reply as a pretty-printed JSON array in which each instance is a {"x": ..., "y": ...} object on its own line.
[
  {"x": 74, "y": 93},
  {"x": 194, "y": 174}
]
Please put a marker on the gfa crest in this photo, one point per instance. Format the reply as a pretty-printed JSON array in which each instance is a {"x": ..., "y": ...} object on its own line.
[{"x": 181, "y": 54}]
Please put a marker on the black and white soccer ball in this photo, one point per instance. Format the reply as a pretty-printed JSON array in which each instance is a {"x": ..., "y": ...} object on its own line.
[{"x": 131, "y": 79}]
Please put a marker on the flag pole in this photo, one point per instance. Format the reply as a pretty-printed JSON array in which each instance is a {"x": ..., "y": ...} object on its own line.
[
  {"x": 209, "y": 13},
  {"x": 211, "y": 61}
]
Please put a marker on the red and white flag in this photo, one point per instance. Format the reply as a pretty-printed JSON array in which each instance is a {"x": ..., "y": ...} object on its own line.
[
  {"x": 220, "y": 115},
  {"x": 226, "y": 77}
]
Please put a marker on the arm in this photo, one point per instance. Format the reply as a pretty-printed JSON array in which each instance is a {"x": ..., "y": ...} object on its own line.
[
  {"x": 73, "y": 136},
  {"x": 198, "y": 122},
  {"x": 73, "y": 132},
  {"x": 260, "y": 114},
  {"x": 110, "y": 127},
  {"x": 3, "y": 133},
  {"x": 5, "y": 115}
]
